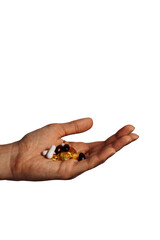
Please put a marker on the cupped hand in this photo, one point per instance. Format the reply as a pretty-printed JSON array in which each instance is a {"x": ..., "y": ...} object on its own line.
[{"x": 29, "y": 164}]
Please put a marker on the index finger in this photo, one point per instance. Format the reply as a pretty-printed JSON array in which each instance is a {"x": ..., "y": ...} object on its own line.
[{"x": 76, "y": 126}]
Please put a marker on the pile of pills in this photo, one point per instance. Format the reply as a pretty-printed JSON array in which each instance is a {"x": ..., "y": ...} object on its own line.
[{"x": 63, "y": 152}]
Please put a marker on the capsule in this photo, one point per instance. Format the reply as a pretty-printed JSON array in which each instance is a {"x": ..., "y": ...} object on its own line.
[
  {"x": 81, "y": 156},
  {"x": 58, "y": 149},
  {"x": 65, "y": 156},
  {"x": 51, "y": 151},
  {"x": 65, "y": 148},
  {"x": 44, "y": 152},
  {"x": 72, "y": 150},
  {"x": 75, "y": 155},
  {"x": 56, "y": 157}
]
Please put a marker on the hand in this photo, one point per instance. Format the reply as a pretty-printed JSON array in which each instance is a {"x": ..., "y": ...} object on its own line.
[{"x": 29, "y": 164}]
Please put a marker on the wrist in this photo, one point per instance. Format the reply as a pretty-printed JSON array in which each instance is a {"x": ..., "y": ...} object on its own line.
[{"x": 8, "y": 155}]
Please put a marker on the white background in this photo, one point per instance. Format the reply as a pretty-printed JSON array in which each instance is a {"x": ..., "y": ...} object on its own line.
[{"x": 64, "y": 60}]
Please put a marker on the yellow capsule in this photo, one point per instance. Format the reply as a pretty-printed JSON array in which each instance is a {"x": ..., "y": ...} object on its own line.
[
  {"x": 56, "y": 157},
  {"x": 65, "y": 156},
  {"x": 75, "y": 155}
]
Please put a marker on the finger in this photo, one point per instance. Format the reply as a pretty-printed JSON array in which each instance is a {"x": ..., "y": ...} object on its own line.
[
  {"x": 123, "y": 131},
  {"x": 99, "y": 147},
  {"x": 76, "y": 126},
  {"x": 123, "y": 141},
  {"x": 120, "y": 133},
  {"x": 104, "y": 154},
  {"x": 95, "y": 144}
]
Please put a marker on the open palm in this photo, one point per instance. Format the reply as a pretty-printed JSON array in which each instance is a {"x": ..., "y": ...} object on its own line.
[{"x": 29, "y": 164}]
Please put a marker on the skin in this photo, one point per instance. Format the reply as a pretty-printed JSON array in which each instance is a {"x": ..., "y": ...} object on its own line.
[{"x": 22, "y": 160}]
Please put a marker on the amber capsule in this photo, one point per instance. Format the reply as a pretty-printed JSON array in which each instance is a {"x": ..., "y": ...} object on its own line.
[
  {"x": 56, "y": 157},
  {"x": 65, "y": 156},
  {"x": 75, "y": 155},
  {"x": 72, "y": 150}
]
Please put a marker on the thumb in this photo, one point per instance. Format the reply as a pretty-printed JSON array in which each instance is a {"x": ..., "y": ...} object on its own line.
[{"x": 76, "y": 126}]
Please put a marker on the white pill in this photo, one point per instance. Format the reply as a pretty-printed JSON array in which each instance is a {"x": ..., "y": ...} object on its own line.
[
  {"x": 63, "y": 144},
  {"x": 44, "y": 152},
  {"x": 51, "y": 151}
]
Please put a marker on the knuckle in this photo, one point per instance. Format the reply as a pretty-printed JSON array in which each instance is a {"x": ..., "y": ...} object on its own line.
[
  {"x": 52, "y": 125},
  {"x": 76, "y": 126}
]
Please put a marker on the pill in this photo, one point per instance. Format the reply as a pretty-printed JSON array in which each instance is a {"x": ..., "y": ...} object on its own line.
[
  {"x": 75, "y": 155},
  {"x": 56, "y": 157},
  {"x": 63, "y": 144},
  {"x": 65, "y": 156},
  {"x": 58, "y": 149},
  {"x": 65, "y": 148},
  {"x": 72, "y": 150},
  {"x": 81, "y": 156},
  {"x": 51, "y": 151},
  {"x": 44, "y": 152}
]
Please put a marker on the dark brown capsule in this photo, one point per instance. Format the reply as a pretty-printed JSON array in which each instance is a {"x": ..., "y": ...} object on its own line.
[
  {"x": 58, "y": 149},
  {"x": 65, "y": 148},
  {"x": 81, "y": 156}
]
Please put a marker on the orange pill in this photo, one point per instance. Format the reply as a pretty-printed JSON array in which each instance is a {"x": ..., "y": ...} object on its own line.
[
  {"x": 72, "y": 150},
  {"x": 65, "y": 156},
  {"x": 56, "y": 157},
  {"x": 75, "y": 155}
]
